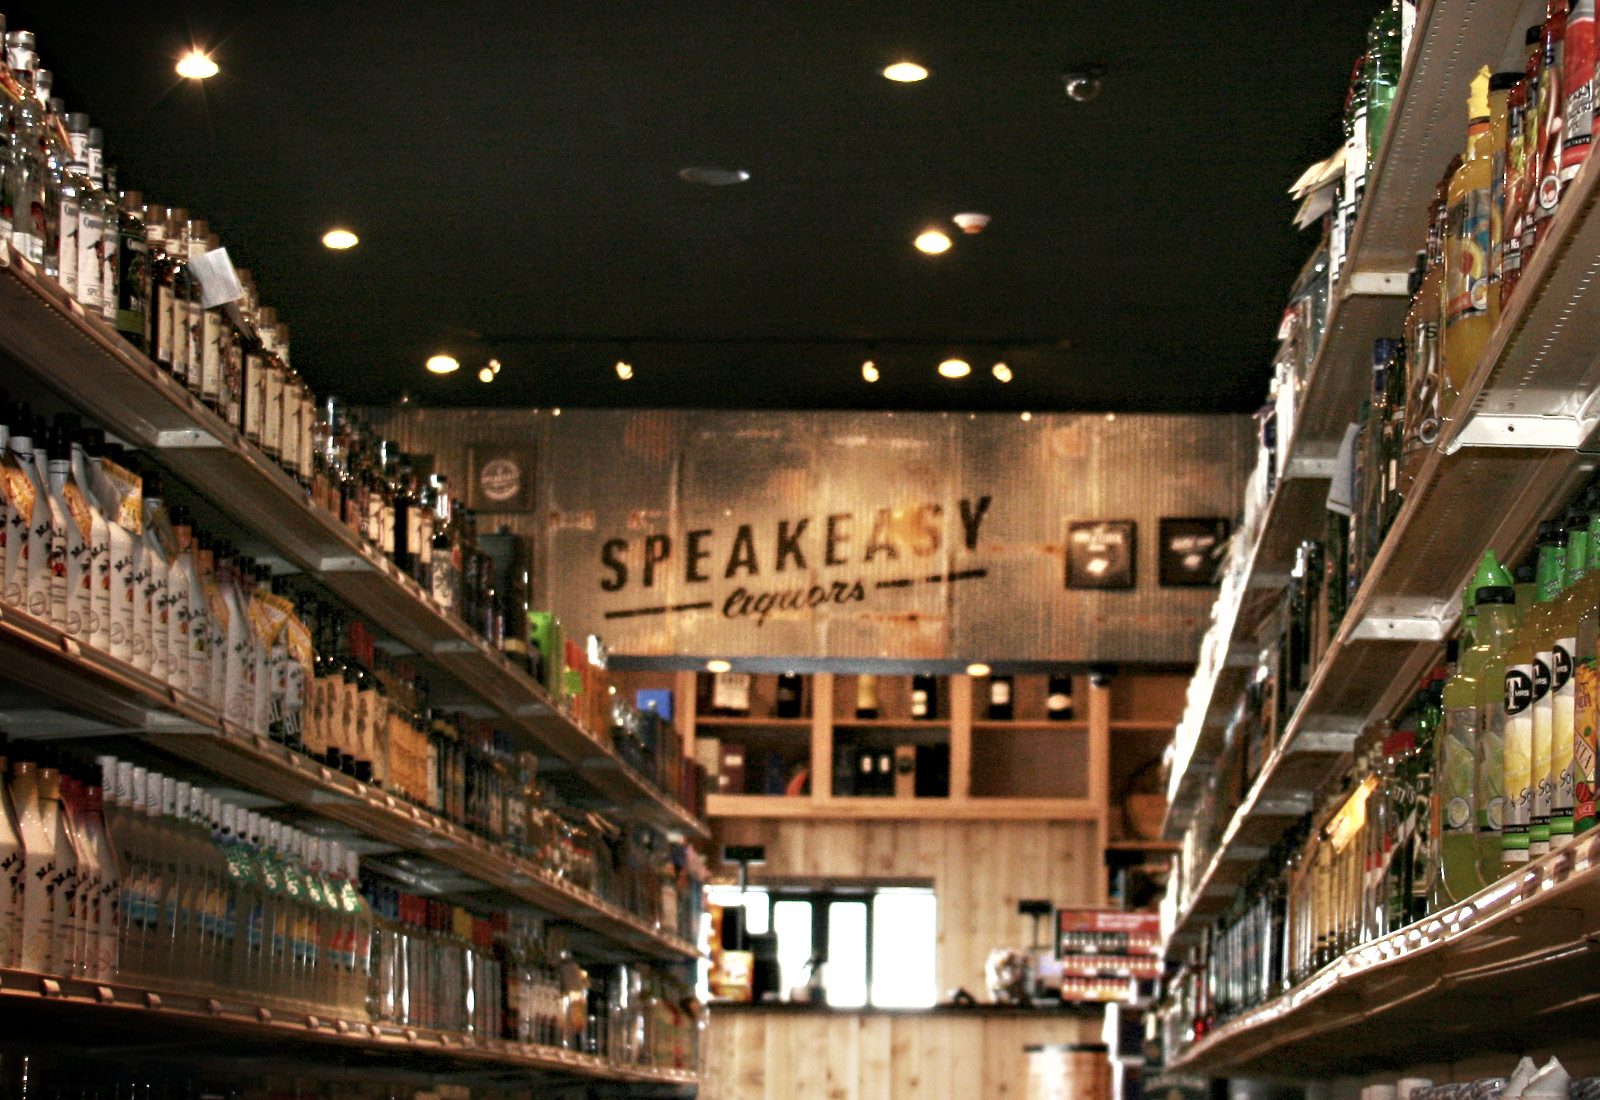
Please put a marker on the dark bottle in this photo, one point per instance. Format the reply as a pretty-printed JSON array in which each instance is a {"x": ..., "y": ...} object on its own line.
[
  {"x": 925, "y": 697},
  {"x": 1000, "y": 705},
  {"x": 168, "y": 328},
  {"x": 791, "y": 689},
  {"x": 514, "y": 608},
  {"x": 133, "y": 271},
  {"x": 866, "y": 696},
  {"x": 1058, "y": 703}
]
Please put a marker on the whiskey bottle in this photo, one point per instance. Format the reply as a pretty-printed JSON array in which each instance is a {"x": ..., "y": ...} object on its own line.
[
  {"x": 1058, "y": 702},
  {"x": 791, "y": 695},
  {"x": 73, "y": 181},
  {"x": 924, "y": 698},
  {"x": 866, "y": 696},
  {"x": 1000, "y": 698}
]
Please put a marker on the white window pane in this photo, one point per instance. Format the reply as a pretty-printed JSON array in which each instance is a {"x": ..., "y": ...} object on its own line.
[
  {"x": 847, "y": 954},
  {"x": 905, "y": 925},
  {"x": 792, "y": 921},
  {"x": 757, "y": 906}
]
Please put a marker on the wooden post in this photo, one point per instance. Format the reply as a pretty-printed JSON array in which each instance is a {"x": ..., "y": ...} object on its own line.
[
  {"x": 960, "y": 738},
  {"x": 685, "y": 697},
  {"x": 821, "y": 736},
  {"x": 1100, "y": 775}
]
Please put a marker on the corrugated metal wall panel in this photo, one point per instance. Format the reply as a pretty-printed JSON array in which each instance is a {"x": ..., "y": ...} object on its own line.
[{"x": 901, "y": 490}]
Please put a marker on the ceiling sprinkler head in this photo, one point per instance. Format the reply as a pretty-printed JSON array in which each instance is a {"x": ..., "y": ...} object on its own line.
[{"x": 1084, "y": 82}]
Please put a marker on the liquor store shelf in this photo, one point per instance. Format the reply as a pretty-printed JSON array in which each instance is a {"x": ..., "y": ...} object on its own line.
[
  {"x": 31, "y": 1001},
  {"x": 121, "y": 699},
  {"x": 86, "y": 363},
  {"x": 902, "y": 809},
  {"x": 1453, "y": 38},
  {"x": 1462, "y": 503},
  {"x": 1439, "y": 989}
]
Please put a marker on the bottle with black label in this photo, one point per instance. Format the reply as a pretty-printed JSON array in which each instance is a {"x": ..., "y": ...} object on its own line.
[
  {"x": 924, "y": 698},
  {"x": 1000, "y": 709},
  {"x": 1058, "y": 704},
  {"x": 791, "y": 688},
  {"x": 866, "y": 696},
  {"x": 730, "y": 693}
]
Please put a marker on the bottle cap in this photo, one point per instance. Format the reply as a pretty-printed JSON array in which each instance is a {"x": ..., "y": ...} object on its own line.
[
  {"x": 1478, "y": 98},
  {"x": 1496, "y": 594},
  {"x": 1552, "y": 533},
  {"x": 1501, "y": 82}
]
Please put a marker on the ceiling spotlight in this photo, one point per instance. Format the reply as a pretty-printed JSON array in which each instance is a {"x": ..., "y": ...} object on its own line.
[
  {"x": 443, "y": 364},
  {"x": 906, "y": 72},
  {"x": 971, "y": 222},
  {"x": 555, "y": 412},
  {"x": 1002, "y": 372},
  {"x": 718, "y": 666},
  {"x": 955, "y": 368},
  {"x": 1084, "y": 82},
  {"x": 340, "y": 239},
  {"x": 624, "y": 370},
  {"x": 977, "y": 668},
  {"x": 1027, "y": 416},
  {"x": 932, "y": 241},
  {"x": 196, "y": 65},
  {"x": 486, "y": 375},
  {"x": 494, "y": 366},
  {"x": 714, "y": 177},
  {"x": 869, "y": 371}
]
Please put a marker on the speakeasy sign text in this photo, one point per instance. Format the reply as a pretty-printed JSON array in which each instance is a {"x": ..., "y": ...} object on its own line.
[{"x": 796, "y": 545}]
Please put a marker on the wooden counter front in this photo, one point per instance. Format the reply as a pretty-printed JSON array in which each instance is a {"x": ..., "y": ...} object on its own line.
[{"x": 792, "y": 1052}]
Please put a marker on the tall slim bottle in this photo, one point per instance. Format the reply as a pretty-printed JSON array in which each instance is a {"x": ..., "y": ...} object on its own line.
[
  {"x": 11, "y": 870},
  {"x": 1521, "y": 689},
  {"x": 1469, "y": 307},
  {"x": 1543, "y": 639},
  {"x": 47, "y": 572},
  {"x": 1566, "y": 616},
  {"x": 39, "y": 867}
]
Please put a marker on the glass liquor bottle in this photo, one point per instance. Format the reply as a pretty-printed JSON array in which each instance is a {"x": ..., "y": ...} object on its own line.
[
  {"x": 1058, "y": 699},
  {"x": 1001, "y": 707},
  {"x": 791, "y": 695},
  {"x": 71, "y": 179},
  {"x": 924, "y": 698}
]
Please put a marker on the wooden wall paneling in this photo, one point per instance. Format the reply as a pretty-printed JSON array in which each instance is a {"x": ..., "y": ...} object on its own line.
[
  {"x": 750, "y": 1064},
  {"x": 685, "y": 706},
  {"x": 905, "y": 1060},
  {"x": 874, "y": 1037},
  {"x": 939, "y": 1041},
  {"x": 779, "y": 1076},
  {"x": 960, "y": 738},
  {"x": 822, "y": 687},
  {"x": 842, "y": 1059},
  {"x": 1100, "y": 774}
]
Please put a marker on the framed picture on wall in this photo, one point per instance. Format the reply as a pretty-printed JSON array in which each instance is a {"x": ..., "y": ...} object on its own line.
[
  {"x": 1101, "y": 553},
  {"x": 500, "y": 479},
  {"x": 1192, "y": 550}
]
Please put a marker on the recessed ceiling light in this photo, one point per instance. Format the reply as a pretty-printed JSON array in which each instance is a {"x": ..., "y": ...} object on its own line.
[
  {"x": 714, "y": 177},
  {"x": 977, "y": 668},
  {"x": 624, "y": 370},
  {"x": 1027, "y": 416},
  {"x": 486, "y": 375},
  {"x": 869, "y": 371},
  {"x": 340, "y": 239},
  {"x": 443, "y": 364},
  {"x": 932, "y": 241},
  {"x": 555, "y": 412},
  {"x": 971, "y": 222},
  {"x": 494, "y": 366},
  {"x": 718, "y": 666},
  {"x": 1002, "y": 372},
  {"x": 195, "y": 65},
  {"x": 906, "y": 72},
  {"x": 955, "y": 368}
]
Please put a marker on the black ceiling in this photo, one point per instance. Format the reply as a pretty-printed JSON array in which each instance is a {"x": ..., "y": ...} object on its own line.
[{"x": 511, "y": 169}]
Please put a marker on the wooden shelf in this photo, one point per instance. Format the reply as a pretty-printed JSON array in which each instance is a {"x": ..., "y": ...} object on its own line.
[
  {"x": 83, "y": 361},
  {"x": 1462, "y": 503},
  {"x": 743, "y": 722},
  {"x": 1452, "y": 39},
  {"x": 1032, "y": 725},
  {"x": 120, "y": 700},
  {"x": 56, "y": 1006},
  {"x": 1143, "y": 846},
  {"x": 901, "y": 809},
  {"x": 891, "y": 723},
  {"x": 1438, "y": 990}
]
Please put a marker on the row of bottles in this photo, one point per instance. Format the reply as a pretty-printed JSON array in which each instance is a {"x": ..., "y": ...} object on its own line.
[
  {"x": 157, "y": 882},
  {"x": 143, "y": 267},
  {"x": 511, "y": 976},
  {"x": 1491, "y": 765}
]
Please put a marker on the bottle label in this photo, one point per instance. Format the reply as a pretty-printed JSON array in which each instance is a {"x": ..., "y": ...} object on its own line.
[
  {"x": 1518, "y": 756},
  {"x": 90, "y": 244},
  {"x": 1585, "y": 719},
  {"x": 1562, "y": 780},
  {"x": 1466, "y": 275}
]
